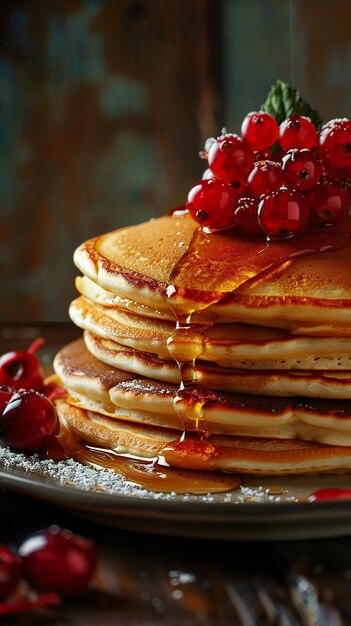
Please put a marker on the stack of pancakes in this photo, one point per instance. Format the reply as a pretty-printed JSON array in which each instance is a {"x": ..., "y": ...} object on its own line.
[{"x": 245, "y": 345}]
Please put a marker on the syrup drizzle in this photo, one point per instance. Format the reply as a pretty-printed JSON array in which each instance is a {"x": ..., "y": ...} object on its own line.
[
  {"x": 237, "y": 265},
  {"x": 152, "y": 474}
]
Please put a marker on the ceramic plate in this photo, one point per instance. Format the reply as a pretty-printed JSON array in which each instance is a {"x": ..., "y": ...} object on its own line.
[{"x": 272, "y": 509}]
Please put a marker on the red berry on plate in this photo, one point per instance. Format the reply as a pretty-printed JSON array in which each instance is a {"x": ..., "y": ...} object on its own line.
[
  {"x": 10, "y": 571},
  {"x": 329, "y": 204},
  {"x": 330, "y": 493},
  {"x": 27, "y": 421},
  {"x": 211, "y": 203},
  {"x": 21, "y": 369},
  {"x": 264, "y": 178},
  {"x": 245, "y": 214},
  {"x": 334, "y": 143},
  {"x": 297, "y": 132},
  {"x": 302, "y": 169},
  {"x": 283, "y": 213},
  {"x": 57, "y": 560},
  {"x": 260, "y": 129},
  {"x": 230, "y": 158}
]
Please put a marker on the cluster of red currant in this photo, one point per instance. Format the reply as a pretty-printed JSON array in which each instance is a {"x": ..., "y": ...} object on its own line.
[
  {"x": 275, "y": 179},
  {"x": 27, "y": 417},
  {"x": 53, "y": 562}
]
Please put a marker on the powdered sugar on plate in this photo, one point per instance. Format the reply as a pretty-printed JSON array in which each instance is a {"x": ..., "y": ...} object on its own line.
[{"x": 72, "y": 474}]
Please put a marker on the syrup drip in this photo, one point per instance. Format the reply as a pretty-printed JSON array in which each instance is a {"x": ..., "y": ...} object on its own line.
[
  {"x": 225, "y": 272},
  {"x": 151, "y": 474}
]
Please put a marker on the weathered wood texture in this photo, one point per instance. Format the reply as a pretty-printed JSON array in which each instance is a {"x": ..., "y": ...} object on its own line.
[
  {"x": 104, "y": 105},
  {"x": 306, "y": 43}
]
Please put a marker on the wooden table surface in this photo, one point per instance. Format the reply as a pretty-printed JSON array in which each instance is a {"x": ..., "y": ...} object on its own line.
[{"x": 152, "y": 580}]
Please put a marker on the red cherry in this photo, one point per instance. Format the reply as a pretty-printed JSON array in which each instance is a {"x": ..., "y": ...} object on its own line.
[
  {"x": 6, "y": 394},
  {"x": 57, "y": 560},
  {"x": 27, "y": 421},
  {"x": 260, "y": 129},
  {"x": 331, "y": 493},
  {"x": 329, "y": 204},
  {"x": 21, "y": 369},
  {"x": 335, "y": 143},
  {"x": 302, "y": 169},
  {"x": 264, "y": 178},
  {"x": 230, "y": 158},
  {"x": 211, "y": 203},
  {"x": 245, "y": 214},
  {"x": 283, "y": 213},
  {"x": 10, "y": 571},
  {"x": 297, "y": 132}
]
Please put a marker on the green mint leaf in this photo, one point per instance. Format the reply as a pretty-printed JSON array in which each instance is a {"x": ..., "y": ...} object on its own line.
[{"x": 283, "y": 101}]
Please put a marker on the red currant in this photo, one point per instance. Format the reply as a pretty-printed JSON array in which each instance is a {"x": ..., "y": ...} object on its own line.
[
  {"x": 245, "y": 214},
  {"x": 10, "y": 571},
  {"x": 57, "y": 560},
  {"x": 335, "y": 143},
  {"x": 264, "y": 178},
  {"x": 329, "y": 204},
  {"x": 21, "y": 369},
  {"x": 283, "y": 213},
  {"x": 330, "y": 493},
  {"x": 6, "y": 394},
  {"x": 297, "y": 132},
  {"x": 302, "y": 169},
  {"x": 27, "y": 421},
  {"x": 211, "y": 203},
  {"x": 230, "y": 158},
  {"x": 260, "y": 129}
]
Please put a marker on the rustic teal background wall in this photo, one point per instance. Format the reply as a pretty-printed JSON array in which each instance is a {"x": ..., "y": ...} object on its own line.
[{"x": 104, "y": 105}]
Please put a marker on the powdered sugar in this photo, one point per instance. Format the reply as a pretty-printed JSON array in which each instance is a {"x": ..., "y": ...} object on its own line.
[{"x": 72, "y": 474}]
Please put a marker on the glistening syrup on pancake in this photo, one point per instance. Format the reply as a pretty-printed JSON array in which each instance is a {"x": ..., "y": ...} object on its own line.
[
  {"x": 257, "y": 264},
  {"x": 145, "y": 473}
]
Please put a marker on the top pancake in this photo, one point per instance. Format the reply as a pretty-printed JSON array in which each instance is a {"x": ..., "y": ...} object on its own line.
[{"x": 303, "y": 284}]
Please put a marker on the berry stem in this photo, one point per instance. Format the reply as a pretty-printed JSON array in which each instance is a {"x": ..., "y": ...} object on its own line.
[{"x": 36, "y": 345}]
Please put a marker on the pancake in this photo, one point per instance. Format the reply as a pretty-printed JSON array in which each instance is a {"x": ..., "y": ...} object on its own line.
[
  {"x": 315, "y": 383},
  {"x": 302, "y": 284},
  {"x": 119, "y": 395},
  {"x": 247, "y": 342},
  {"x": 228, "y": 345},
  {"x": 219, "y": 452}
]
